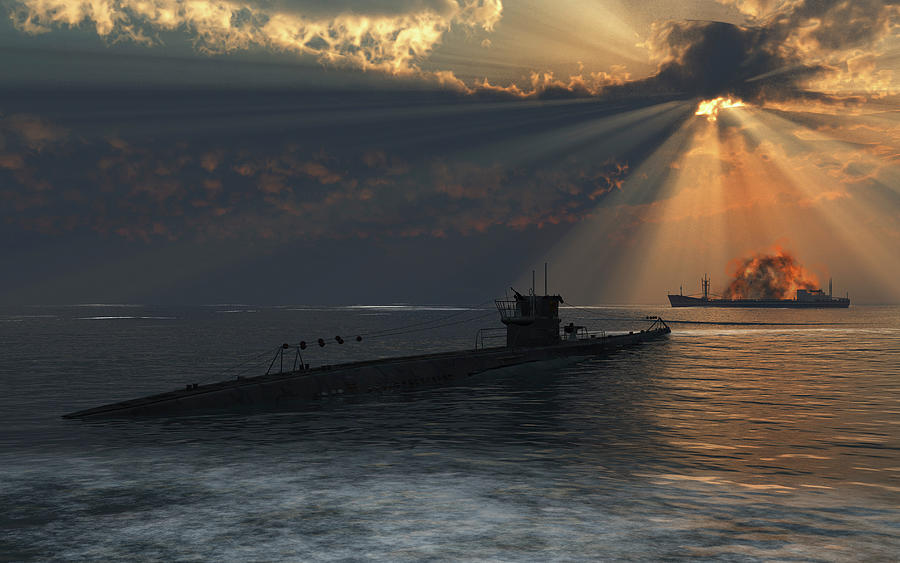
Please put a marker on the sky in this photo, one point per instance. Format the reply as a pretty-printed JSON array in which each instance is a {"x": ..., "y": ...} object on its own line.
[{"x": 436, "y": 151}]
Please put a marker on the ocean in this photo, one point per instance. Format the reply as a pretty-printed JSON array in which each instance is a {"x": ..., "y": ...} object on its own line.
[{"x": 747, "y": 435}]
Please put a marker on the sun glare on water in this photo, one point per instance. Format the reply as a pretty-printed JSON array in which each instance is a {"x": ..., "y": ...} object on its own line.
[{"x": 710, "y": 108}]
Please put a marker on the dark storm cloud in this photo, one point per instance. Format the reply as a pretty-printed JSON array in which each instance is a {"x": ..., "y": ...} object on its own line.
[
  {"x": 143, "y": 188},
  {"x": 195, "y": 192},
  {"x": 709, "y": 59},
  {"x": 769, "y": 61},
  {"x": 241, "y": 165}
]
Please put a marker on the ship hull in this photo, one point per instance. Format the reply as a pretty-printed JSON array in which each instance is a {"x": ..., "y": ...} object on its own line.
[
  {"x": 685, "y": 301},
  {"x": 288, "y": 389}
]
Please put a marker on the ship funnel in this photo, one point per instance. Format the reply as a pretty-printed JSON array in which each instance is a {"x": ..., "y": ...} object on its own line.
[{"x": 829, "y": 288}]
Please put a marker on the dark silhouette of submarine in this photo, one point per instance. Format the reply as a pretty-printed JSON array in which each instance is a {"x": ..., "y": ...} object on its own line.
[{"x": 533, "y": 342}]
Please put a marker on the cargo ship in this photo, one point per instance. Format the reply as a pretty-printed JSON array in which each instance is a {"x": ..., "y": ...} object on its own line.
[
  {"x": 534, "y": 342},
  {"x": 804, "y": 299}
]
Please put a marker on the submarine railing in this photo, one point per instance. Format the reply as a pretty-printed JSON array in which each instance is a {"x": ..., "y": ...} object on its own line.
[
  {"x": 490, "y": 334},
  {"x": 658, "y": 322},
  {"x": 585, "y": 334},
  {"x": 517, "y": 311},
  {"x": 279, "y": 356}
]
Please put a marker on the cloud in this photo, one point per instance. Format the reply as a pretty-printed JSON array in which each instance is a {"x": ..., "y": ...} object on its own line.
[
  {"x": 204, "y": 191},
  {"x": 12, "y": 161},
  {"x": 823, "y": 50},
  {"x": 826, "y": 50},
  {"x": 788, "y": 49},
  {"x": 775, "y": 58},
  {"x": 541, "y": 85},
  {"x": 390, "y": 37},
  {"x": 755, "y": 8},
  {"x": 31, "y": 131},
  {"x": 709, "y": 59}
]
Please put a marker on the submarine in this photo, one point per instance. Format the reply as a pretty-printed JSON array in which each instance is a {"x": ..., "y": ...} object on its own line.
[{"x": 534, "y": 342}]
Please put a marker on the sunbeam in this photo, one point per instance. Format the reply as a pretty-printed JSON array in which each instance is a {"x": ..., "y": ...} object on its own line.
[
  {"x": 716, "y": 190},
  {"x": 646, "y": 146},
  {"x": 839, "y": 187}
]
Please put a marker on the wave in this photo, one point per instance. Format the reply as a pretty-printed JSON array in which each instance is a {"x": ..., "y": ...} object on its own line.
[
  {"x": 114, "y": 318},
  {"x": 754, "y": 323}
]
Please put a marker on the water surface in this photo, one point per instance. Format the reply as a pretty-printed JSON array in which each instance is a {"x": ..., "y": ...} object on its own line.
[{"x": 748, "y": 435}]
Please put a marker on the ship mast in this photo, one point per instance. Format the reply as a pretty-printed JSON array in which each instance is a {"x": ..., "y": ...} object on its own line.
[{"x": 704, "y": 283}]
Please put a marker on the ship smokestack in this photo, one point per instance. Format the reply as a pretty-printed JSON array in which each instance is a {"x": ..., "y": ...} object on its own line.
[{"x": 829, "y": 288}]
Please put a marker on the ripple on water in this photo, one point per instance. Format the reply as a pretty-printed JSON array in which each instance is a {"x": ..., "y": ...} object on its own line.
[{"x": 721, "y": 443}]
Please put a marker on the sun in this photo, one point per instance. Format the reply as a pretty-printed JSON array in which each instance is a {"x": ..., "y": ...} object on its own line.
[{"x": 710, "y": 108}]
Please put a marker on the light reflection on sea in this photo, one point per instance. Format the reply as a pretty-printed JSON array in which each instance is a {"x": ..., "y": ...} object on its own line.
[{"x": 737, "y": 440}]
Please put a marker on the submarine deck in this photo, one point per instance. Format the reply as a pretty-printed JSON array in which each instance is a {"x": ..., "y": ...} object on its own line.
[{"x": 357, "y": 377}]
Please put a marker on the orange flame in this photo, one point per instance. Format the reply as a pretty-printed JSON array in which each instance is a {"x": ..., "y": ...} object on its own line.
[
  {"x": 710, "y": 108},
  {"x": 769, "y": 276}
]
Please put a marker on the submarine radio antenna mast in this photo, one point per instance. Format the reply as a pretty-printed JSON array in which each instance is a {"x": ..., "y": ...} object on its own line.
[{"x": 532, "y": 294}]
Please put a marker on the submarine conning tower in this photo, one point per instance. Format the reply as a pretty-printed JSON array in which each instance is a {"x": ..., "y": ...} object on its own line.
[{"x": 531, "y": 320}]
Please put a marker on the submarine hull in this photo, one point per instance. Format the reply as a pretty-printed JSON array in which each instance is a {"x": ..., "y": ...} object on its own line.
[{"x": 286, "y": 389}]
